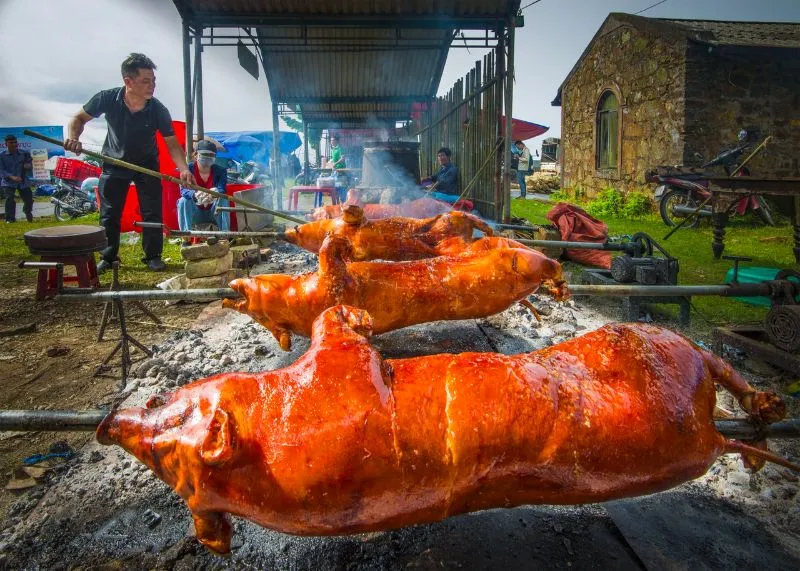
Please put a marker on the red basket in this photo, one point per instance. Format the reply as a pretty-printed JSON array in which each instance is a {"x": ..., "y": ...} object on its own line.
[{"x": 74, "y": 169}]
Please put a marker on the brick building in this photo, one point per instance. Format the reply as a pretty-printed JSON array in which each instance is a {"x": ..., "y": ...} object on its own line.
[{"x": 648, "y": 92}]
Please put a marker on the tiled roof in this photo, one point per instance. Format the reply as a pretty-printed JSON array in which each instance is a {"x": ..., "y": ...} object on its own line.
[{"x": 756, "y": 34}]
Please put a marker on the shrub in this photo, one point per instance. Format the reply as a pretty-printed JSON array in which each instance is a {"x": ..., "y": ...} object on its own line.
[
  {"x": 609, "y": 202},
  {"x": 637, "y": 204}
]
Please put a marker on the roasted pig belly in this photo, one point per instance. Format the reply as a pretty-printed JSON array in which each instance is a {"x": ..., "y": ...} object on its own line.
[
  {"x": 342, "y": 441},
  {"x": 483, "y": 279}
]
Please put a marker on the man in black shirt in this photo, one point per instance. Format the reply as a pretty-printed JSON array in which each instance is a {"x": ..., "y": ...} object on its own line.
[{"x": 133, "y": 116}]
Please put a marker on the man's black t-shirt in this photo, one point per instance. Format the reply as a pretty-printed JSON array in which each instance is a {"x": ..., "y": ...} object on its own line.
[{"x": 131, "y": 136}]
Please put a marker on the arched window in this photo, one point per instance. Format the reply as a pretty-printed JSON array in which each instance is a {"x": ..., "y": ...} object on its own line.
[{"x": 607, "y": 131}]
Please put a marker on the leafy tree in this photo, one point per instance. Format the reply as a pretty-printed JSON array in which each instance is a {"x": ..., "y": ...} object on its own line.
[{"x": 296, "y": 123}]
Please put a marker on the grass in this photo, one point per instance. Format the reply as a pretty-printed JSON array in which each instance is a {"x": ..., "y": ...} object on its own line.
[
  {"x": 133, "y": 273},
  {"x": 692, "y": 247}
]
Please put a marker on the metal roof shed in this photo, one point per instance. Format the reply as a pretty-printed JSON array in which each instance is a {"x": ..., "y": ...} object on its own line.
[{"x": 346, "y": 63}]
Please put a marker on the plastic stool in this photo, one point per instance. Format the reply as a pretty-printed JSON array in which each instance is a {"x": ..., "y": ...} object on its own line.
[{"x": 85, "y": 270}]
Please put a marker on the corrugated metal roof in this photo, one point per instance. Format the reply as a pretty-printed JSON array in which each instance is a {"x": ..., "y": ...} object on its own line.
[
  {"x": 357, "y": 8},
  {"x": 351, "y": 60}
]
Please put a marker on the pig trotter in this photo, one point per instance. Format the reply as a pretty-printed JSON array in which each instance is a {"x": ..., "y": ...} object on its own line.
[
  {"x": 214, "y": 530},
  {"x": 767, "y": 407}
]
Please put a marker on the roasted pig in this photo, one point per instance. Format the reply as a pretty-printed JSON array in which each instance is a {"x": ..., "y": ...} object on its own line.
[
  {"x": 480, "y": 280},
  {"x": 389, "y": 238},
  {"x": 420, "y": 208},
  {"x": 342, "y": 441}
]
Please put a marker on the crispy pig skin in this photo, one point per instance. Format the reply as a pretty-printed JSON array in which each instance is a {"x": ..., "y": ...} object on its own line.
[
  {"x": 342, "y": 441},
  {"x": 396, "y": 238},
  {"x": 419, "y": 208},
  {"x": 479, "y": 280}
]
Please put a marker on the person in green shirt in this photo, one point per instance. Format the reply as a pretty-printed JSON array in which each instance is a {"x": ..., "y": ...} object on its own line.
[{"x": 338, "y": 162}]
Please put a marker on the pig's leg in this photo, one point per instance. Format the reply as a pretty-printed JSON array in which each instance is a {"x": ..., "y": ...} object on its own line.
[
  {"x": 332, "y": 255},
  {"x": 341, "y": 323},
  {"x": 214, "y": 530},
  {"x": 762, "y": 406}
]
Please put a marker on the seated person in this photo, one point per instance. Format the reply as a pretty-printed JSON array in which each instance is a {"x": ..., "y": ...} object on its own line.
[
  {"x": 444, "y": 184},
  {"x": 199, "y": 207}
]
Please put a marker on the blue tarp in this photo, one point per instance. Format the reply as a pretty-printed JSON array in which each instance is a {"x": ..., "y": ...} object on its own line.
[{"x": 242, "y": 146}]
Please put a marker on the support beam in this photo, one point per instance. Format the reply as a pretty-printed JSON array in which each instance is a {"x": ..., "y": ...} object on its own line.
[
  {"x": 198, "y": 78},
  {"x": 276, "y": 155},
  {"x": 509, "y": 112},
  {"x": 306, "y": 162},
  {"x": 187, "y": 90},
  {"x": 498, "y": 102}
]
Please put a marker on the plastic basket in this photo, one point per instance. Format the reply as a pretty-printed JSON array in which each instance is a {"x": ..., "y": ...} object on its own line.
[{"x": 74, "y": 169}]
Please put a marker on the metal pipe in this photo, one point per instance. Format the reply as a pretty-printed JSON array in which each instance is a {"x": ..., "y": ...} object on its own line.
[
  {"x": 210, "y": 233},
  {"x": 688, "y": 210},
  {"x": 613, "y": 247},
  {"x": 162, "y": 176},
  {"x": 87, "y": 420},
  {"x": 51, "y": 420},
  {"x": 149, "y": 294},
  {"x": 198, "y": 76},
  {"x": 739, "y": 290},
  {"x": 518, "y": 227},
  {"x": 39, "y": 265}
]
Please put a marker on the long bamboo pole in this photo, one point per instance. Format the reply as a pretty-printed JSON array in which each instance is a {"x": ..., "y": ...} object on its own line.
[{"x": 166, "y": 177}]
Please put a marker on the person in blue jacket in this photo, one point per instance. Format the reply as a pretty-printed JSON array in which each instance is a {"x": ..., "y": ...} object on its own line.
[
  {"x": 446, "y": 179},
  {"x": 199, "y": 207}
]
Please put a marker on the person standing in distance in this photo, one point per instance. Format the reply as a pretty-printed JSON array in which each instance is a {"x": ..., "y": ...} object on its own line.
[
  {"x": 15, "y": 170},
  {"x": 133, "y": 116}
]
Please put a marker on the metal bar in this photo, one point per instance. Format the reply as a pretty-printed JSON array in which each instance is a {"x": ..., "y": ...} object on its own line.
[
  {"x": 149, "y": 294},
  {"x": 163, "y": 176},
  {"x": 422, "y": 21},
  {"x": 51, "y": 420},
  {"x": 39, "y": 265},
  {"x": 198, "y": 74},
  {"x": 518, "y": 227},
  {"x": 88, "y": 420},
  {"x": 409, "y": 99},
  {"x": 188, "y": 103},
  {"x": 606, "y": 246},
  {"x": 623, "y": 290}
]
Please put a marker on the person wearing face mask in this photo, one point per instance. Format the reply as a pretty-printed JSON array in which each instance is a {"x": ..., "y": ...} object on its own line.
[{"x": 195, "y": 206}]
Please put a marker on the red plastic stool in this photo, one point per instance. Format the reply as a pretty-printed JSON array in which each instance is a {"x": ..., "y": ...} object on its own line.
[
  {"x": 295, "y": 192},
  {"x": 70, "y": 246},
  {"x": 85, "y": 270}
]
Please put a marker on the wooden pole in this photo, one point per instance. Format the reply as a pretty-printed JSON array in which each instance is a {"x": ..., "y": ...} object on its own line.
[
  {"x": 188, "y": 102},
  {"x": 198, "y": 74},
  {"x": 167, "y": 177}
]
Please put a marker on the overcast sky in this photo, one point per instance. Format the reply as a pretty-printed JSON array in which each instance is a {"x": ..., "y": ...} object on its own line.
[{"x": 58, "y": 53}]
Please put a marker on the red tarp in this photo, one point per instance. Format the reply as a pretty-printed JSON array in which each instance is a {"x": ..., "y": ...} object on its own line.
[{"x": 575, "y": 225}]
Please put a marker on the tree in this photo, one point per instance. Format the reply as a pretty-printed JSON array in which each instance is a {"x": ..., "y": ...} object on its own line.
[{"x": 296, "y": 123}]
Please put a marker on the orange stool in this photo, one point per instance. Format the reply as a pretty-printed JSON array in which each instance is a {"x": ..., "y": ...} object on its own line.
[{"x": 295, "y": 191}]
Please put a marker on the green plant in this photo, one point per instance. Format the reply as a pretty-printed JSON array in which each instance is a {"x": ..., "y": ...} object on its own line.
[
  {"x": 636, "y": 205},
  {"x": 609, "y": 202}
]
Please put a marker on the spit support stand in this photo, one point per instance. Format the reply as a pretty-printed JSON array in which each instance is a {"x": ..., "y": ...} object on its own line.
[{"x": 123, "y": 345}]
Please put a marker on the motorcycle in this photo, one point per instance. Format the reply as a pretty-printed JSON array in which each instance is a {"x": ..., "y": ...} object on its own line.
[
  {"x": 71, "y": 200},
  {"x": 680, "y": 192}
]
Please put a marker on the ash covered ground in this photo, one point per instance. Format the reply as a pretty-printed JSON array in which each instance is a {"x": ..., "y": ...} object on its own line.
[{"x": 102, "y": 508}]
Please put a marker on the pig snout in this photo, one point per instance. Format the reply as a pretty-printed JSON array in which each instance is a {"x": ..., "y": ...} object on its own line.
[{"x": 123, "y": 427}]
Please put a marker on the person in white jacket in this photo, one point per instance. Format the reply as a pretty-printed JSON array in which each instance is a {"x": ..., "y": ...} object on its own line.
[{"x": 523, "y": 165}]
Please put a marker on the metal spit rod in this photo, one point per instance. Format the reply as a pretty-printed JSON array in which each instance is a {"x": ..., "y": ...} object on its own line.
[
  {"x": 209, "y": 233},
  {"x": 87, "y": 421},
  {"x": 739, "y": 290},
  {"x": 613, "y": 247}
]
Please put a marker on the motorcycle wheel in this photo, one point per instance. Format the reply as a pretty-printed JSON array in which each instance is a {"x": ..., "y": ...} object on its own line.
[
  {"x": 675, "y": 197},
  {"x": 60, "y": 214},
  {"x": 764, "y": 212}
]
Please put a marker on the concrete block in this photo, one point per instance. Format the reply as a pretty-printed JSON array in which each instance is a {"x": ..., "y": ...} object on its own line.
[
  {"x": 205, "y": 250},
  {"x": 209, "y": 266}
]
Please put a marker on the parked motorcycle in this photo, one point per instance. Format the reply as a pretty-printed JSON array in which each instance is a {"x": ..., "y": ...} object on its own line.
[
  {"x": 681, "y": 191},
  {"x": 71, "y": 201}
]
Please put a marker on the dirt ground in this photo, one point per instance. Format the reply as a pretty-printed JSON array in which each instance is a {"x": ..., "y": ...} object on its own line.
[{"x": 53, "y": 367}]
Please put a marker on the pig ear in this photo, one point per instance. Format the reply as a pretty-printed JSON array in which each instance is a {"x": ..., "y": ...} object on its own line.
[{"x": 217, "y": 448}]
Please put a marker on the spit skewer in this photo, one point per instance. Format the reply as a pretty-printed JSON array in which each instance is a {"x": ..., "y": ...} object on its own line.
[
  {"x": 162, "y": 176},
  {"x": 87, "y": 421}
]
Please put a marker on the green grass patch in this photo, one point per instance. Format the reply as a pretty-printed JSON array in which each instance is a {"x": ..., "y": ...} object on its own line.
[
  {"x": 133, "y": 273},
  {"x": 692, "y": 247}
]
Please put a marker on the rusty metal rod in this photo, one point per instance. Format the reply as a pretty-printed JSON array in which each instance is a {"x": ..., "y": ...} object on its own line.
[
  {"x": 612, "y": 247},
  {"x": 622, "y": 290},
  {"x": 162, "y": 176},
  {"x": 149, "y": 294},
  {"x": 209, "y": 233},
  {"x": 87, "y": 420}
]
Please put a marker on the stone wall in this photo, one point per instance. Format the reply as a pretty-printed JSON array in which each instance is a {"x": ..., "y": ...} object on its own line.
[
  {"x": 729, "y": 90},
  {"x": 647, "y": 71}
]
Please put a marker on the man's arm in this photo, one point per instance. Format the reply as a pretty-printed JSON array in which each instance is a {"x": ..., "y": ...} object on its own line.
[
  {"x": 3, "y": 172},
  {"x": 450, "y": 175},
  {"x": 74, "y": 130},
  {"x": 176, "y": 152}
]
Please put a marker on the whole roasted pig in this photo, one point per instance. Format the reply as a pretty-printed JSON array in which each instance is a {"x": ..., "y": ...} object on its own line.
[
  {"x": 480, "y": 280},
  {"x": 389, "y": 238},
  {"x": 342, "y": 441},
  {"x": 421, "y": 208}
]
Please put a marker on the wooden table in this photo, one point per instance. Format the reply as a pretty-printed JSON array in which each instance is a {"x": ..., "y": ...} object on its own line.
[{"x": 726, "y": 192}]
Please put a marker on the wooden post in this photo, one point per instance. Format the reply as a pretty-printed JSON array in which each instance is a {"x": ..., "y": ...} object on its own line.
[{"x": 306, "y": 162}]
